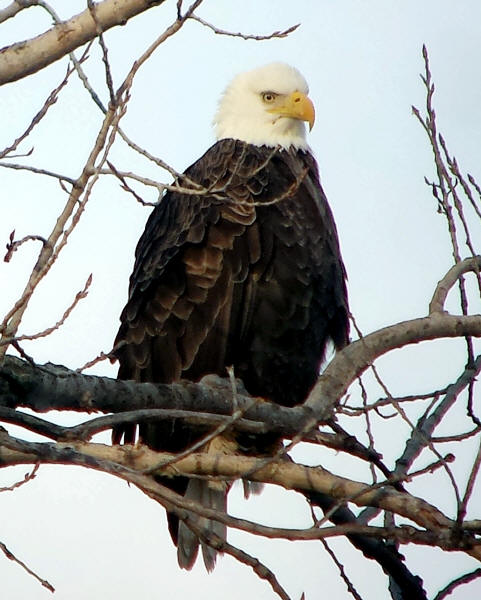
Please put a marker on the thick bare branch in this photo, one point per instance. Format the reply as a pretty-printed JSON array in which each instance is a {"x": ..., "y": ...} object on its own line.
[
  {"x": 358, "y": 356},
  {"x": 27, "y": 57},
  {"x": 56, "y": 387},
  {"x": 53, "y": 387},
  {"x": 139, "y": 459},
  {"x": 445, "y": 285}
]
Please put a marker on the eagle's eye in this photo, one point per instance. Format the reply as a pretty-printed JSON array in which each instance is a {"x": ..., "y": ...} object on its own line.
[{"x": 268, "y": 97}]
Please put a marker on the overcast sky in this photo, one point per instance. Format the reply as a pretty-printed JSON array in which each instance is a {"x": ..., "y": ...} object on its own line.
[{"x": 91, "y": 535}]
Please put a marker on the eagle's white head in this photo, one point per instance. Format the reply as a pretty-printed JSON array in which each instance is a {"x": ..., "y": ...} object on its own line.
[{"x": 266, "y": 106}]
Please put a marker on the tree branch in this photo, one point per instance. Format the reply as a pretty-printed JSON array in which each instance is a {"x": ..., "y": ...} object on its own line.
[
  {"x": 132, "y": 462},
  {"x": 358, "y": 356},
  {"x": 444, "y": 286},
  {"x": 12, "y": 556},
  {"x": 27, "y": 57},
  {"x": 54, "y": 387},
  {"x": 289, "y": 475}
]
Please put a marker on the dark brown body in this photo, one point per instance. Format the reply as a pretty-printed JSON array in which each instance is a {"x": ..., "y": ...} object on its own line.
[{"x": 248, "y": 274}]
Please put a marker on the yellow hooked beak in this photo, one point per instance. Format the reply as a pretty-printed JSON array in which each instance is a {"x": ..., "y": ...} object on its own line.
[{"x": 296, "y": 106}]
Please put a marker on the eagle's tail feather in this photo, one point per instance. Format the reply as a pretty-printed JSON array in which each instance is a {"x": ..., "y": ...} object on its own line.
[
  {"x": 216, "y": 499},
  {"x": 211, "y": 495}
]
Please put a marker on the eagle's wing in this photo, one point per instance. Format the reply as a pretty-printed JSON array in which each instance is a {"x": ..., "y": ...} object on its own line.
[{"x": 192, "y": 251}]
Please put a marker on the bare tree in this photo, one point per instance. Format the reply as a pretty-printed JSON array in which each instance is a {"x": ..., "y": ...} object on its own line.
[{"x": 376, "y": 516}]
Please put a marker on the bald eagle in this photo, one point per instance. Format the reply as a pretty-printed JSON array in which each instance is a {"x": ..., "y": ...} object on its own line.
[{"x": 242, "y": 270}]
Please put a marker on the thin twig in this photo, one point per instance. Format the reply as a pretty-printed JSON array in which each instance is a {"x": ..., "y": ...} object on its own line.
[
  {"x": 456, "y": 437},
  {"x": 28, "y": 477},
  {"x": 38, "y": 171},
  {"x": 35, "y": 336},
  {"x": 463, "y": 507},
  {"x": 13, "y": 245},
  {"x": 12, "y": 556},
  {"x": 128, "y": 189},
  {"x": 49, "y": 102},
  {"x": 103, "y": 46},
  {"x": 99, "y": 358},
  {"x": 350, "y": 587},
  {"x": 449, "y": 589},
  {"x": 246, "y": 36}
]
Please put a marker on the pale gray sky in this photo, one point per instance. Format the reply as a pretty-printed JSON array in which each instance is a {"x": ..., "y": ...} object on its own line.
[{"x": 91, "y": 535}]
